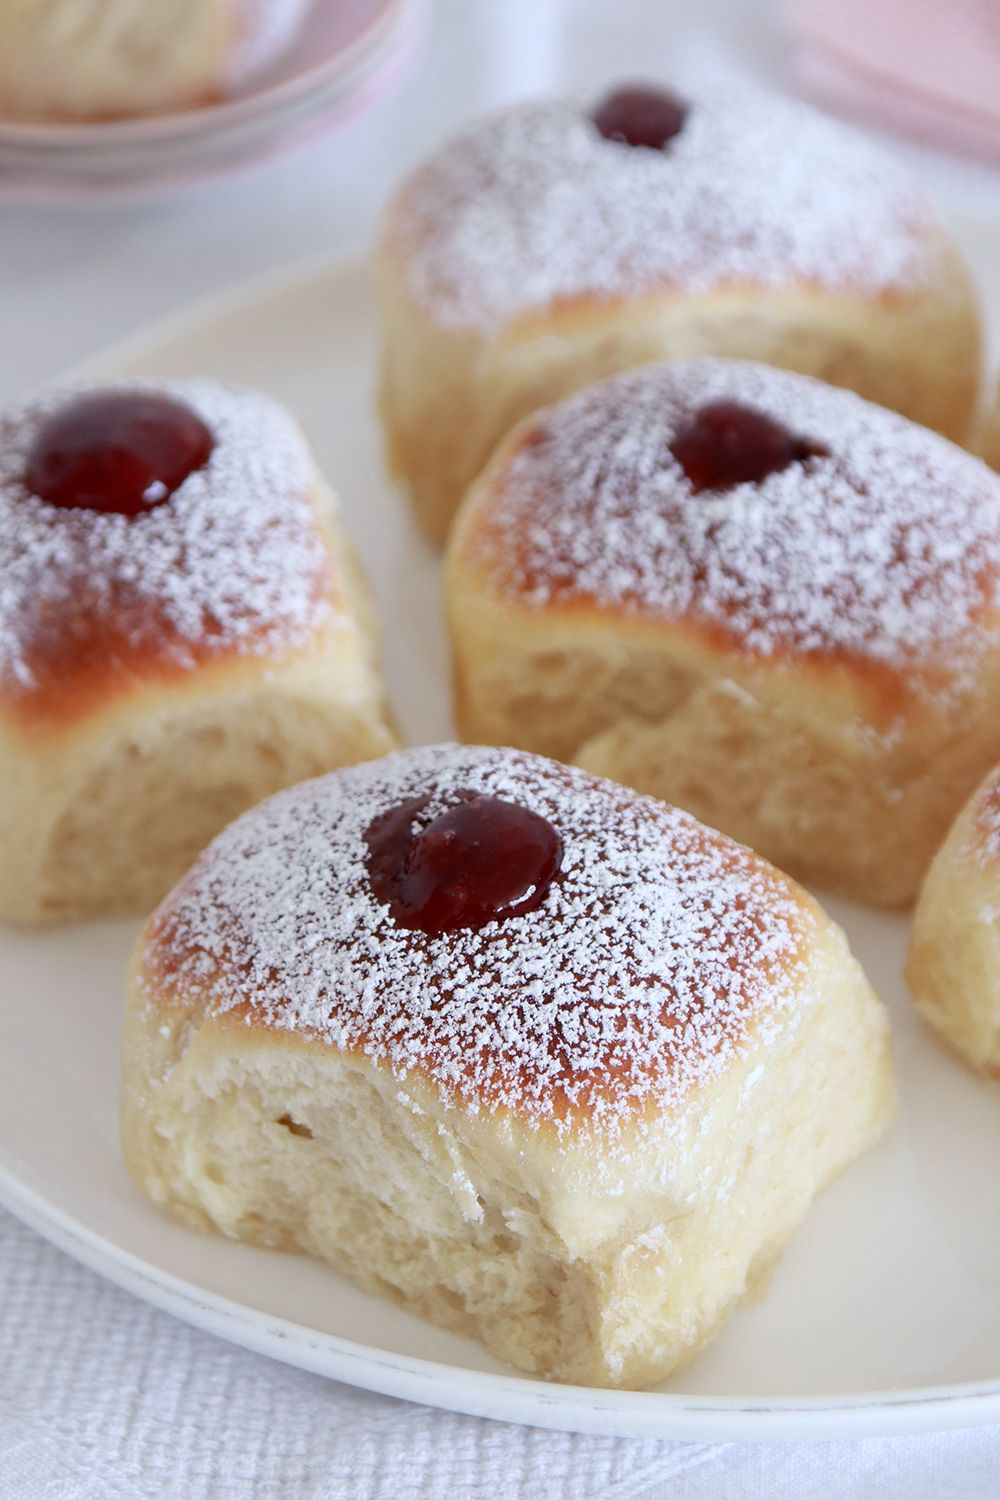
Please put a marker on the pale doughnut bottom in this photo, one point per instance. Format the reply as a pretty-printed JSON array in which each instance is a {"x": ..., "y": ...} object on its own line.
[{"x": 582, "y": 1260}]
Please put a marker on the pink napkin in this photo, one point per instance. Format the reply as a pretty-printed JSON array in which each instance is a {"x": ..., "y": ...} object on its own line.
[{"x": 930, "y": 68}]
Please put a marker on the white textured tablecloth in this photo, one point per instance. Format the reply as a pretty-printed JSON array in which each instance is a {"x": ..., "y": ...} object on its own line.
[
  {"x": 101, "y": 1396},
  {"x": 104, "y": 1398}
]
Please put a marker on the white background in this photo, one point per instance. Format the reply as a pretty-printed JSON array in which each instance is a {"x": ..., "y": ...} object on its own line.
[{"x": 99, "y": 1395}]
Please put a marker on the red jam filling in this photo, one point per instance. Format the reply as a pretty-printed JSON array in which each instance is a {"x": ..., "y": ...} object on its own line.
[
  {"x": 727, "y": 443},
  {"x": 121, "y": 452},
  {"x": 483, "y": 860},
  {"x": 639, "y": 115}
]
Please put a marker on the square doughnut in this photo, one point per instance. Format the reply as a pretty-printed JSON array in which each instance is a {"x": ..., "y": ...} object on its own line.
[
  {"x": 161, "y": 671},
  {"x": 751, "y": 594},
  {"x": 546, "y": 1062}
]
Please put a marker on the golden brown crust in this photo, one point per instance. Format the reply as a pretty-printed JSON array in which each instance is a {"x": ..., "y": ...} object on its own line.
[{"x": 98, "y": 663}]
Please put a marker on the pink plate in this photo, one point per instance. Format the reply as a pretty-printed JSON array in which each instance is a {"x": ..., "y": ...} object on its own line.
[
  {"x": 915, "y": 66},
  {"x": 345, "y": 56}
]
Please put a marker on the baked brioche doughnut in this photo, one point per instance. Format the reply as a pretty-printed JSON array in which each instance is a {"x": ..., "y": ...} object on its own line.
[
  {"x": 807, "y": 660},
  {"x": 165, "y": 661},
  {"x": 531, "y": 256},
  {"x": 953, "y": 968},
  {"x": 93, "y": 59},
  {"x": 547, "y": 1062}
]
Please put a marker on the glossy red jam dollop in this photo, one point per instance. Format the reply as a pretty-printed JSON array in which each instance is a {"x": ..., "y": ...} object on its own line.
[
  {"x": 483, "y": 860},
  {"x": 727, "y": 443},
  {"x": 638, "y": 115},
  {"x": 117, "y": 451}
]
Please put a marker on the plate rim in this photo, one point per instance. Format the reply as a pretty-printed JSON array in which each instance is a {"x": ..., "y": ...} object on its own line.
[
  {"x": 508, "y": 1397},
  {"x": 488, "y": 1394}
]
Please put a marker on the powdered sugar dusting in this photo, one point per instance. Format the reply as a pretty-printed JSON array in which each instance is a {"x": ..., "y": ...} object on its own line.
[
  {"x": 234, "y": 561},
  {"x": 636, "y": 979},
  {"x": 886, "y": 549},
  {"x": 534, "y": 206}
]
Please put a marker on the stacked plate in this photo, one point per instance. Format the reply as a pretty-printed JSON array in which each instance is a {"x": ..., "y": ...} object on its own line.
[{"x": 345, "y": 56}]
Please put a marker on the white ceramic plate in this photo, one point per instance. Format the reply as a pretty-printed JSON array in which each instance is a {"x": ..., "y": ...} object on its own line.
[
  {"x": 883, "y": 1316},
  {"x": 344, "y": 56}
]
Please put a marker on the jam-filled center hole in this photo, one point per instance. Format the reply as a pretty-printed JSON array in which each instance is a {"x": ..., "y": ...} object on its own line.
[
  {"x": 640, "y": 115},
  {"x": 726, "y": 443},
  {"x": 122, "y": 452},
  {"x": 482, "y": 860}
]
